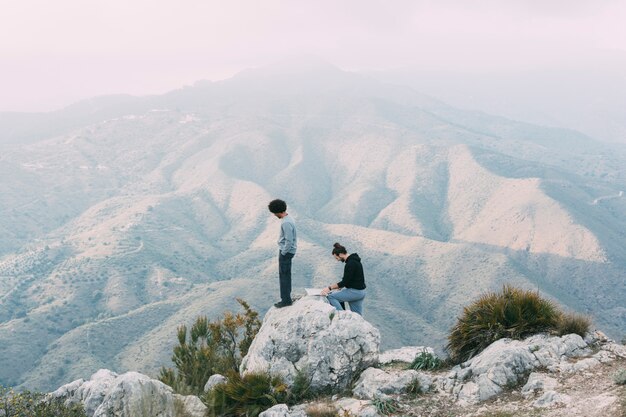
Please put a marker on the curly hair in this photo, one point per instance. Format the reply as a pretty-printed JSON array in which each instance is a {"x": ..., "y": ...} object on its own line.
[{"x": 277, "y": 206}]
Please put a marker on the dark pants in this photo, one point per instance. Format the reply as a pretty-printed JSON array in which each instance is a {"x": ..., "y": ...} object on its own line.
[{"x": 284, "y": 276}]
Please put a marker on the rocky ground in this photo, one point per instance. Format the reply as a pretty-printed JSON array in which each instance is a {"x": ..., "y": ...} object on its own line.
[
  {"x": 589, "y": 393},
  {"x": 542, "y": 375}
]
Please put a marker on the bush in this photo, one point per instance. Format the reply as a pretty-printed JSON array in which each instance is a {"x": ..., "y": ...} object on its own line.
[
  {"x": 426, "y": 361},
  {"x": 511, "y": 313},
  {"x": 29, "y": 404},
  {"x": 573, "y": 323},
  {"x": 385, "y": 406},
  {"x": 211, "y": 347},
  {"x": 246, "y": 396},
  {"x": 300, "y": 389},
  {"x": 415, "y": 387},
  {"x": 321, "y": 410}
]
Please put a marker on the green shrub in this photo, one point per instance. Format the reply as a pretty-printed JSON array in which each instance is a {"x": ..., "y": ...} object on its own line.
[
  {"x": 211, "y": 347},
  {"x": 426, "y": 361},
  {"x": 415, "y": 387},
  {"x": 573, "y": 323},
  {"x": 385, "y": 406},
  {"x": 513, "y": 313},
  {"x": 620, "y": 377},
  {"x": 246, "y": 396},
  {"x": 322, "y": 410},
  {"x": 300, "y": 389},
  {"x": 29, "y": 404}
]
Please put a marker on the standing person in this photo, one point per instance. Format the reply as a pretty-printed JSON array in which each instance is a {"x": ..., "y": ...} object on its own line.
[
  {"x": 352, "y": 284},
  {"x": 287, "y": 245}
]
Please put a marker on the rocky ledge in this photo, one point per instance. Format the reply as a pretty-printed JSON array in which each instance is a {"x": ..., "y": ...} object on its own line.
[{"x": 340, "y": 350}]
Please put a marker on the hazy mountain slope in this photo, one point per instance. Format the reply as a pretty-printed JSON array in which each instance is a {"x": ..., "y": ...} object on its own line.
[
  {"x": 167, "y": 217},
  {"x": 588, "y": 96}
]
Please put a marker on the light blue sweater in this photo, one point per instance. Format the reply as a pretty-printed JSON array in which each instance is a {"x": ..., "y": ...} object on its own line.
[{"x": 288, "y": 240}]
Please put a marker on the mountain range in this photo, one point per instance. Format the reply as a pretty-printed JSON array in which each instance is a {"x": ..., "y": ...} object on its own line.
[{"x": 124, "y": 217}]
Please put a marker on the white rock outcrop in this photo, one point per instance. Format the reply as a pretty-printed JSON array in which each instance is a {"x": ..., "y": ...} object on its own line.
[
  {"x": 538, "y": 382},
  {"x": 506, "y": 362},
  {"x": 331, "y": 347},
  {"x": 377, "y": 383},
  {"x": 107, "y": 394},
  {"x": 282, "y": 410}
]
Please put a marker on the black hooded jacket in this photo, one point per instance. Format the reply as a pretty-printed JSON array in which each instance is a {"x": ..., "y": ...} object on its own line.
[{"x": 353, "y": 274}]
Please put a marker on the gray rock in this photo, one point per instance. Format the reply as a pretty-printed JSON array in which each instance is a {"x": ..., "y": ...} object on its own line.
[
  {"x": 500, "y": 365},
  {"x": 132, "y": 394},
  {"x": 616, "y": 349},
  {"x": 136, "y": 395},
  {"x": 550, "y": 399},
  {"x": 551, "y": 351},
  {"x": 404, "y": 354},
  {"x": 191, "y": 404},
  {"x": 356, "y": 408},
  {"x": 538, "y": 382},
  {"x": 90, "y": 393},
  {"x": 214, "y": 380},
  {"x": 282, "y": 410},
  {"x": 331, "y": 347},
  {"x": 505, "y": 361},
  {"x": 375, "y": 382},
  {"x": 279, "y": 410}
]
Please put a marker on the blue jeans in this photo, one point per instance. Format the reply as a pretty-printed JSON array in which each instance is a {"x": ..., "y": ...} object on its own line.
[
  {"x": 284, "y": 276},
  {"x": 352, "y": 296}
]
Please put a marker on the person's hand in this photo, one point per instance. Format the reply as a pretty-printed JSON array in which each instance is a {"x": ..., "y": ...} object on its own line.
[{"x": 325, "y": 291}]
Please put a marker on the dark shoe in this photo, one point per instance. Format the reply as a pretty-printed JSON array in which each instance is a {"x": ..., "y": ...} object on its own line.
[{"x": 282, "y": 304}]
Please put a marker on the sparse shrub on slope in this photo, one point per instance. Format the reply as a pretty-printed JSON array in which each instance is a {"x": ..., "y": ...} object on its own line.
[
  {"x": 385, "y": 406},
  {"x": 322, "y": 410},
  {"x": 245, "y": 396},
  {"x": 29, "y": 404},
  {"x": 211, "y": 347},
  {"x": 512, "y": 313},
  {"x": 426, "y": 361},
  {"x": 573, "y": 323}
]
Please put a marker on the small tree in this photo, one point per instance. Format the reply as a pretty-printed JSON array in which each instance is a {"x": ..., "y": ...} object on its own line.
[{"x": 211, "y": 347}]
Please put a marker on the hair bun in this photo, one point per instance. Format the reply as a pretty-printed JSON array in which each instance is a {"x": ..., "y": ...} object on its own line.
[{"x": 337, "y": 245}]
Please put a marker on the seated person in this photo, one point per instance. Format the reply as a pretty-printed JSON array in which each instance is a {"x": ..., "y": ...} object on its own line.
[{"x": 352, "y": 285}]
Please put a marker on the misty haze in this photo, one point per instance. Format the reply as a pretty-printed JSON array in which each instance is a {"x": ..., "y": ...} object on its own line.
[{"x": 457, "y": 149}]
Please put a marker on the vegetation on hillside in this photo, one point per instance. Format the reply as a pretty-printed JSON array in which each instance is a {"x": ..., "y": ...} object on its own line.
[
  {"x": 247, "y": 395},
  {"x": 31, "y": 404},
  {"x": 211, "y": 347},
  {"x": 511, "y": 313}
]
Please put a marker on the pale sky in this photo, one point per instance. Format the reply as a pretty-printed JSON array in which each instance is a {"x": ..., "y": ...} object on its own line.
[{"x": 53, "y": 53}]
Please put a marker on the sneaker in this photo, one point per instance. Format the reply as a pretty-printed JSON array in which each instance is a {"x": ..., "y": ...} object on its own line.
[{"x": 281, "y": 304}]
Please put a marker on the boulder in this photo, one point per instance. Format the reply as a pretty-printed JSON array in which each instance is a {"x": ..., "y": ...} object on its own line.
[
  {"x": 213, "y": 381},
  {"x": 91, "y": 393},
  {"x": 505, "y": 362},
  {"x": 538, "y": 382},
  {"x": 282, "y": 410},
  {"x": 132, "y": 394},
  {"x": 330, "y": 347},
  {"x": 191, "y": 405},
  {"x": 551, "y": 399},
  {"x": 376, "y": 383},
  {"x": 356, "y": 408}
]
